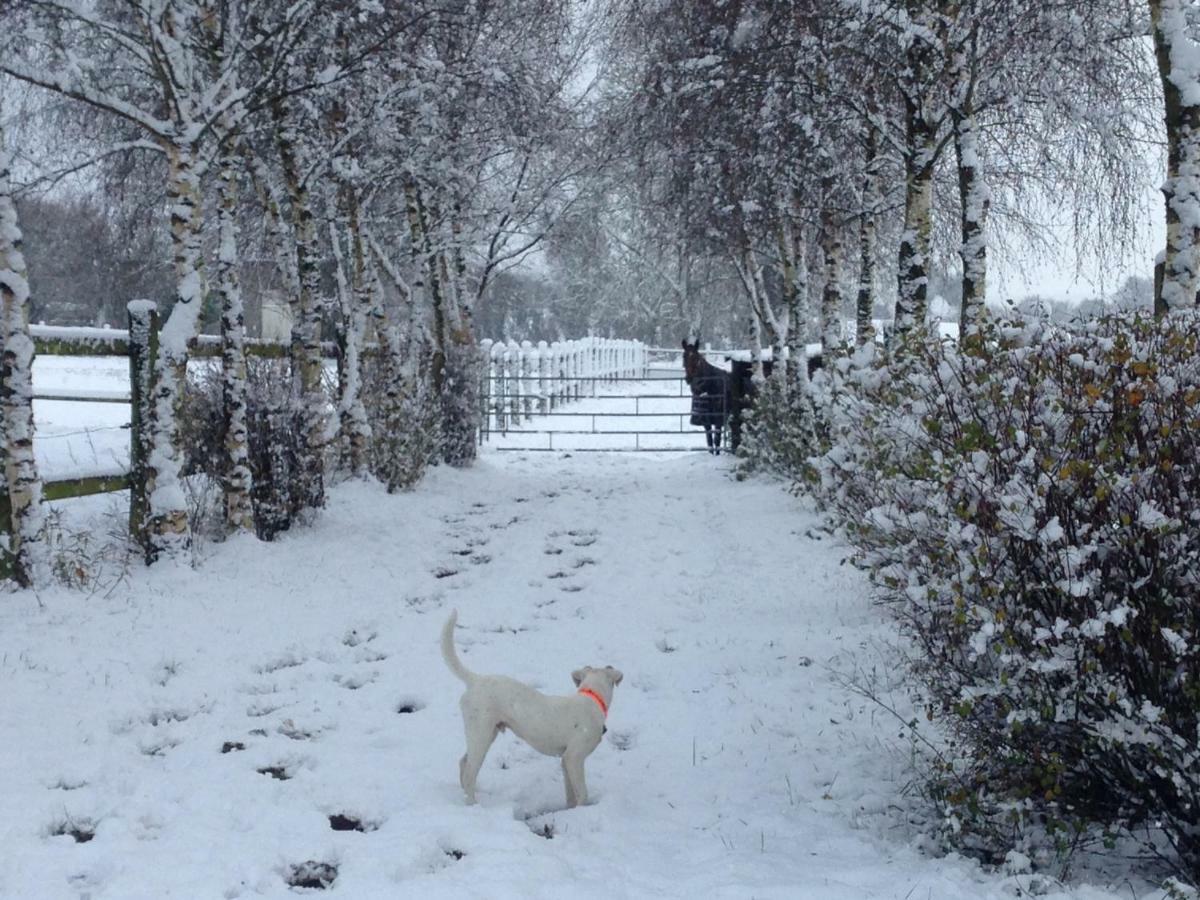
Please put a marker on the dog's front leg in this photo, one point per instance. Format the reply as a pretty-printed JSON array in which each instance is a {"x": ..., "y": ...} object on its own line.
[{"x": 572, "y": 764}]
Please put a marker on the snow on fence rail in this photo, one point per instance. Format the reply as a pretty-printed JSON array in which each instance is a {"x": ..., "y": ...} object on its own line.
[{"x": 523, "y": 379}]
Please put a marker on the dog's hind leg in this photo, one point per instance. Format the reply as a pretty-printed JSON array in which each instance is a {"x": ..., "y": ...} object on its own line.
[
  {"x": 479, "y": 741},
  {"x": 571, "y": 801},
  {"x": 572, "y": 766}
]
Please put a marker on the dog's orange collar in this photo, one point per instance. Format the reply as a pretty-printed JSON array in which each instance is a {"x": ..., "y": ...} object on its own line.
[{"x": 599, "y": 700}]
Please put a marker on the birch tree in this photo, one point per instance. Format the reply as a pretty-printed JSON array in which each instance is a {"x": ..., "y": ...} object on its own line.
[
  {"x": 870, "y": 200},
  {"x": 923, "y": 29},
  {"x": 1176, "y": 34},
  {"x": 297, "y": 167},
  {"x": 151, "y": 64},
  {"x": 24, "y": 557},
  {"x": 1039, "y": 81},
  {"x": 484, "y": 91},
  {"x": 237, "y": 480},
  {"x": 833, "y": 254}
]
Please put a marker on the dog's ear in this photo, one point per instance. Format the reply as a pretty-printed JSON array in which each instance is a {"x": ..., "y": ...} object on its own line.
[
  {"x": 579, "y": 674},
  {"x": 615, "y": 674}
]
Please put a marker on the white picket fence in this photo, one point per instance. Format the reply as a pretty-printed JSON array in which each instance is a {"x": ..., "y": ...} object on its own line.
[{"x": 523, "y": 379}]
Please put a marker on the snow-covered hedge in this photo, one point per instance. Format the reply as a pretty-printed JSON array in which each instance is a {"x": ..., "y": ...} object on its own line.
[
  {"x": 1029, "y": 507},
  {"x": 783, "y": 429}
]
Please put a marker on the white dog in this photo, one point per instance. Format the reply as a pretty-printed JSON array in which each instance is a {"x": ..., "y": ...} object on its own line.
[{"x": 566, "y": 726}]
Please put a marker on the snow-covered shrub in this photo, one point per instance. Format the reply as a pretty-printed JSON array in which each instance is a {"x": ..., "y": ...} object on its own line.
[
  {"x": 277, "y": 450},
  {"x": 1029, "y": 507},
  {"x": 275, "y": 437},
  {"x": 460, "y": 404},
  {"x": 782, "y": 430},
  {"x": 403, "y": 414}
]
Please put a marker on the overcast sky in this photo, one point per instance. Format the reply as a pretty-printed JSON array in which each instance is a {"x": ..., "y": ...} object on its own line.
[{"x": 1021, "y": 272}]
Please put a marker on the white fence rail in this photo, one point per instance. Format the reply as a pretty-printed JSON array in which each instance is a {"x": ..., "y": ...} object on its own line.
[{"x": 523, "y": 379}]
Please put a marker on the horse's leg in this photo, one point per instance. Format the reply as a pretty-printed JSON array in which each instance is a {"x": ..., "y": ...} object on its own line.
[{"x": 708, "y": 436}]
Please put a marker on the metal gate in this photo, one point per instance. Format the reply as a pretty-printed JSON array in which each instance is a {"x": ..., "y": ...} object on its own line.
[{"x": 646, "y": 412}]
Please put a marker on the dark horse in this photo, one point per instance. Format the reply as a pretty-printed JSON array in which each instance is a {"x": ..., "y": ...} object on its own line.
[{"x": 710, "y": 394}]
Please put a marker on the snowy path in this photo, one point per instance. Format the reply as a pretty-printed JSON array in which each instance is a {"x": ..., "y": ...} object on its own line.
[{"x": 205, "y": 725}]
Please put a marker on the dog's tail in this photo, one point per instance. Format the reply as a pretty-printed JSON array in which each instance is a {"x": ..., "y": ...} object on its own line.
[{"x": 448, "y": 653}]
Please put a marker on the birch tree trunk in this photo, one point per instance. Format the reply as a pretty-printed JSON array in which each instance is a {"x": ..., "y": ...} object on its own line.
[
  {"x": 461, "y": 393},
  {"x": 466, "y": 310},
  {"x": 974, "y": 202},
  {"x": 974, "y": 198},
  {"x": 167, "y": 527},
  {"x": 401, "y": 448},
  {"x": 775, "y": 332},
  {"x": 398, "y": 350},
  {"x": 455, "y": 359},
  {"x": 237, "y": 479},
  {"x": 425, "y": 283},
  {"x": 756, "y": 347},
  {"x": 752, "y": 283},
  {"x": 1178, "y": 56},
  {"x": 356, "y": 304},
  {"x": 832, "y": 252},
  {"x": 306, "y": 330},
  {"x": 344, "y": 338},
  {"x": 920, "y": 155},
  {"x": 912, "y": 297},
  {"x": 864, "y": 331},
  {"x": 791, "y": 270},
  {"x": 24, "y": 557}
]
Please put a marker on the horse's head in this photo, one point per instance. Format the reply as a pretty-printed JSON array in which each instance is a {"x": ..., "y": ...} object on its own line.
[{"x": 692, "y": 359}]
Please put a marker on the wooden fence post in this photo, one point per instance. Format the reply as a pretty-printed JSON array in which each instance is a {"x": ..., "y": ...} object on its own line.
[{"x": 143, "y": 350}]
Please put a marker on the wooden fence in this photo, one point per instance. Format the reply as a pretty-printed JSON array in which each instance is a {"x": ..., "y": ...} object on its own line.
[
  {"x": 141, "y": 352},
  {"x": 140, "y": 345}
]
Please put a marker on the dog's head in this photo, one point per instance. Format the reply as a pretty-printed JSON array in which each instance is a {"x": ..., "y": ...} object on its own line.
[{"x": 608, "y": 675}]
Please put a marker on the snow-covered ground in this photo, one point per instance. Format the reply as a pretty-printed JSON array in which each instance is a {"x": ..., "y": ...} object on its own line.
[{"x": 202, "y": 725}]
